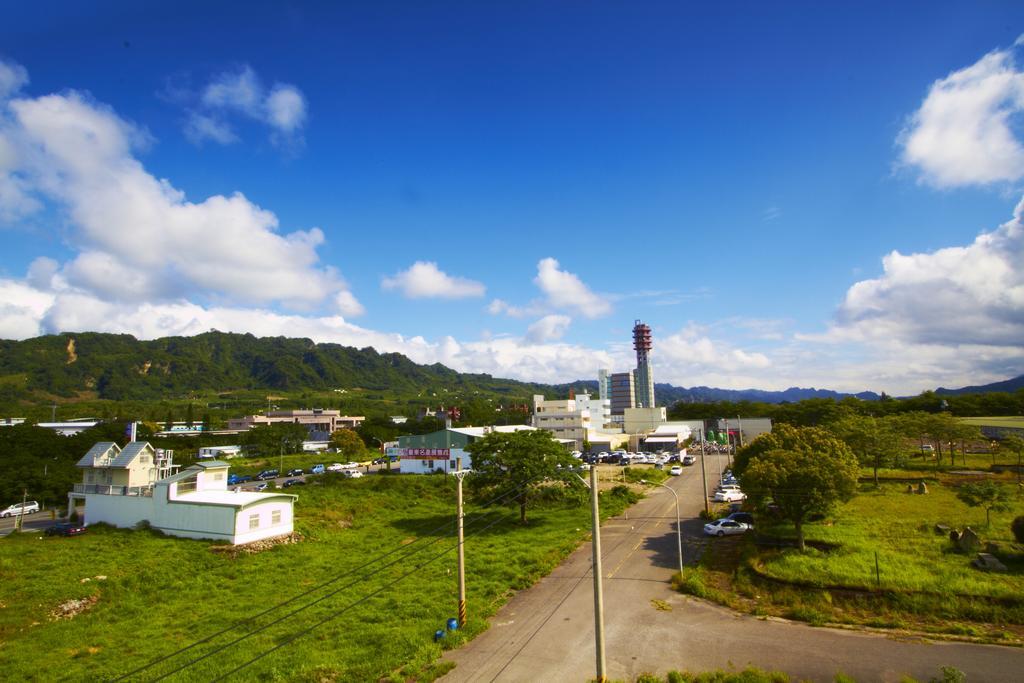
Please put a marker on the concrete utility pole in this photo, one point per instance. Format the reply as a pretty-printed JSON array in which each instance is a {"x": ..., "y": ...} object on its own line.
[
  {"x": 20, "y": 522},
  {"x": 704, "y": 475},
  {"x": 459, "y": 474},
  {"x": 598, "y": 593}
]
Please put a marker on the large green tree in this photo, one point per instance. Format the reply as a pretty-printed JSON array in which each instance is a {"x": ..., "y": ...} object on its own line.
[
  {"x": 875, "y": 441},
  {"x": 348, "y": 443},
  {"x": 802, "y": 471},
  {"x": 517, "y": 461}
]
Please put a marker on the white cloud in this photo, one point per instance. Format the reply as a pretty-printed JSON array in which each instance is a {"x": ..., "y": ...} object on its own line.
[
  {"x": 500, "y": 307},
  {"x": 239, "y": 90},
  {"x": 963, "y": 132},
  {"x": 954, "y": 315},
  {"x": 957, "y": 295},
  {"x": 139, "y": 238},
  {"x": 200, "y": 128},
  {"x": 565, "y": 290},
  {"x": 424, "y": 280},
  {"x": 283, "y": 108},
  {"x": 12, "y": 78},
  {"x": 548, "y": 328}
]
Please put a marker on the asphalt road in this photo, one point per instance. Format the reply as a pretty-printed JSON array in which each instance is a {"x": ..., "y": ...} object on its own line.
[{"x": 546, "y": 633}]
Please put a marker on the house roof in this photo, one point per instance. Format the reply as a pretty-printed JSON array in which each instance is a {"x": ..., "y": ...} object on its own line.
[
  {"x": 188, "y": 472},
  {"x": 236, "y": 499},
  {"x": 479, "y": 431},
  {"x": 211, "y": 464},
  {"x": 97, "y": 452},
  {"x": 130, "y": 452}
]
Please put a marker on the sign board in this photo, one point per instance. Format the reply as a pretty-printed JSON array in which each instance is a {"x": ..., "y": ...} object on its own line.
[{"x": 424, "y": 453}]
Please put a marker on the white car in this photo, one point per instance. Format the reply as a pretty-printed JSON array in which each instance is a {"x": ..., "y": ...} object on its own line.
[
  {"x": 336, "y": 467},
  {"x": 725, "y": 527},
  {"x": 352, "y": 474},
  {"x": 30, "y": 507},
  {"x": 676, "y": 470},
  {"x": 729, "y": 496}
]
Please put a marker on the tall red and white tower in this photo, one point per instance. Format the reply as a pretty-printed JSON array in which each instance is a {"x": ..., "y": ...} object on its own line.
[{"x": 644, "y": 382}]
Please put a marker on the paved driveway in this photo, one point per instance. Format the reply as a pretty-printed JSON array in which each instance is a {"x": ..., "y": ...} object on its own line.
[{"x": 546, "y": 633}]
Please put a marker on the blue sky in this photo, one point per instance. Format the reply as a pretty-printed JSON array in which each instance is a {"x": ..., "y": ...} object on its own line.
[{"x": 798, "y": 195}]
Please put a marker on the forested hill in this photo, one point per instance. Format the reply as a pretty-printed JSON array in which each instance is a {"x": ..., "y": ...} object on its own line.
[{"x": 118, "y": 366}]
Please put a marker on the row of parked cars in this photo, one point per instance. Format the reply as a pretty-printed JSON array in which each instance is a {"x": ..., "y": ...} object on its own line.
[
  {"x": 738, "y": 522},
  {"x": 348, "y": 469}
]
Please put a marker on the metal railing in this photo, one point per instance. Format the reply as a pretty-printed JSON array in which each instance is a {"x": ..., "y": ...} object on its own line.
[{"x": 113, "y": 490}]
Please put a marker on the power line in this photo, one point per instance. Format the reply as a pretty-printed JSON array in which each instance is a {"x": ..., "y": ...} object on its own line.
[
  {"x": 345, "y": 609},
  {"x": 309, "y": 591}
]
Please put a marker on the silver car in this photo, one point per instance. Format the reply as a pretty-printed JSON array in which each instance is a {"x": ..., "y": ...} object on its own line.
[{"x": 725, "y": 527}]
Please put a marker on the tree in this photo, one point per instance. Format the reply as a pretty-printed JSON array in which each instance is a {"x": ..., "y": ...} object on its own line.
[
  {"x": 519, "y": 460},
  {"x": 874, "y": 441},
  {"x": 348, "y": 443},
  {"x": 986, "y": 494},
  {"x": 801, "y": 470}
]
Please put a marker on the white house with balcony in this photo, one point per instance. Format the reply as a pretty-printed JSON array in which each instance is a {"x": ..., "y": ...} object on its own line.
[{"x": 125, "y": 487}]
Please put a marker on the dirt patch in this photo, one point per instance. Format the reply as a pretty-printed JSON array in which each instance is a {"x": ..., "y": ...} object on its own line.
[
  {"x": 234, "y": 551},
  {"x": 72, "y": 608}
]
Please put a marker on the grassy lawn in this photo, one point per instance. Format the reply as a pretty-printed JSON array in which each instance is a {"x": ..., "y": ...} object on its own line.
[
  {"x": 158, "y": 594},
  {"x": 921, "y": 582}
]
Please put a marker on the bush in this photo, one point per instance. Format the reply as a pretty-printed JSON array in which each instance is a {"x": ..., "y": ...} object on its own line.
[{"x": 1018, "y": 528}]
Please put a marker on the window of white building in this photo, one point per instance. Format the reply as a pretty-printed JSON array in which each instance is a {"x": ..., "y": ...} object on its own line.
[{"x": 254, "y": 521}]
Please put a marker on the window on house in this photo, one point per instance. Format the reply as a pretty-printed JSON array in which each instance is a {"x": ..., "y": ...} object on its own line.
[
  {"x": 275, "y": 517},
  {"x": 254, "y": 521},
  {"x": 218, "y": 476}
]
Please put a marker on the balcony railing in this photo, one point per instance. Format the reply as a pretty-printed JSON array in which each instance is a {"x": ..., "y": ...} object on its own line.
[{"x": 114, "y": 490}]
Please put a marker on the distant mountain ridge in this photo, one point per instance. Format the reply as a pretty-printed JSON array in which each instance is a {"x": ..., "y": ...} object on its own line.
[{"x": 119, "y": 366}]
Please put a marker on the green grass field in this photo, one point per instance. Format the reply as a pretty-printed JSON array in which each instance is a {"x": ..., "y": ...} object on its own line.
[
  {"x": 921, "y": 582},
  {"x": 160, "y": 594},
  {"x": 912, "y": 557}
]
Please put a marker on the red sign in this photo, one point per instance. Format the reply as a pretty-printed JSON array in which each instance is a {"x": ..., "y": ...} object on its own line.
[{"x": 426, "y": 453}]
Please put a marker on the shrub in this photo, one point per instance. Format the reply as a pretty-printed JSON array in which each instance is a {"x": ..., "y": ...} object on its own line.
[{"x": 1018, "y": 528}]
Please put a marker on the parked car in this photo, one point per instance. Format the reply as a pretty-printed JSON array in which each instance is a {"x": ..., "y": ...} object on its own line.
[
  {"x": 729, "y": 496},
  {"x": 335, "y": 467},
  {"x": 676, "y": 470},
  {"x": 380, "y": 461},
  {"x": 267, "y": 474},
  {"x": 673, "y": 458},
  {"x": 725, "y": 527},
  {"x": 352, "y": 474},
  {"x": 262, "y": 486},
  {"x": 238, "y": 479},
  {"x": 295, "y": 472},
  {"x": 728, "y": 487},
  {"x": 293, "y": 482},
  {"x": 317, "y": 469},
  {"x": 65, "y": 529},
  {"x": 689, "y": 459},
  {"x": 29, "y": 507},
  {"x": 744, "y": 517}
]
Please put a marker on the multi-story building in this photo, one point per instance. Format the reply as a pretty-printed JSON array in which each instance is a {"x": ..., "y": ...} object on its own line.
[
  {"x": 315, "y": 420},
  {"x": 623, "y": 393}
]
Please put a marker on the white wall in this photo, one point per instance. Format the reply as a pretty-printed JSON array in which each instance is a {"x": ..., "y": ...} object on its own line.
[
  {"x": 243, "y": 534},
  {"x": 119, "y": 511},
  {"x": 426, "y": 466}
]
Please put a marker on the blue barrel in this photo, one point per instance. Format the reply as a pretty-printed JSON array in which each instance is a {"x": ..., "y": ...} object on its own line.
[
  {"x": 453, "y": 624},
  {"x": 438, "y": 634}
]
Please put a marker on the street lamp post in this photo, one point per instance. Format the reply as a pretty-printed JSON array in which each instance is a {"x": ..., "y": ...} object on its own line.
[{"x": 679, "y": 528}]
